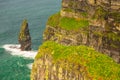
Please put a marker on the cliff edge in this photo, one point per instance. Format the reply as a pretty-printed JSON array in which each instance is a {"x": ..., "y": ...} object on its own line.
[
  {"x": 94, "y": 23},
  {"x": 59, "y": 62},
  {"x": 81, "y": 42}
]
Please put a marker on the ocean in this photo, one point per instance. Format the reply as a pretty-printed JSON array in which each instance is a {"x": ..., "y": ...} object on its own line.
[{"x": 16, "y": 64}]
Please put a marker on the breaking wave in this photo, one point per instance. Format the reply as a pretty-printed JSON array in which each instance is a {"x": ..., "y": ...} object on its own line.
[
  {"x": 14, "y": 49},
  {"x": 30, "y": 65}
]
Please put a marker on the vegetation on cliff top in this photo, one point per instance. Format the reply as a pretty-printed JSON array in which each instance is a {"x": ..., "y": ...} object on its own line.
[
  {"x": 97, "y": 66},
  {"x": 67, "y": 23}
]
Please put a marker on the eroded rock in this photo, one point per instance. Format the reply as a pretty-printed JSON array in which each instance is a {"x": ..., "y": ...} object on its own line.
[
  {"x": 24, "y": 37},
  {"x": 103, "y": 31}
]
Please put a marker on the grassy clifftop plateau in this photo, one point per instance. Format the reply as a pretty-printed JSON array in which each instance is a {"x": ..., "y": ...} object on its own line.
[
  {"x": 78, "y": 60},
  {"x": 67, "y": 23},
  {"x": 81, "y": 42}
]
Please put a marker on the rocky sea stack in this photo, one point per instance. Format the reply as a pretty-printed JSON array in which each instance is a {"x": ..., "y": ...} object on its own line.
[{"x": 24, "y": 37}]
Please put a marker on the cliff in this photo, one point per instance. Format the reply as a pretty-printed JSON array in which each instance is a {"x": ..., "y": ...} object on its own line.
[
  {"x": 59, "y": 62},
  {"x": 24, "y": 37},
  {"x": 94, "y": 23},
  {"x": 81, "y": 42}
]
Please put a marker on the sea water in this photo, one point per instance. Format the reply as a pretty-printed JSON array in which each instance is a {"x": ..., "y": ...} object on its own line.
[{"x": 14, "y": 63}]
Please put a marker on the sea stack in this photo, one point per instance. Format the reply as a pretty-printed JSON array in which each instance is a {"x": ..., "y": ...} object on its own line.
[{"x": 24, "y": 37}]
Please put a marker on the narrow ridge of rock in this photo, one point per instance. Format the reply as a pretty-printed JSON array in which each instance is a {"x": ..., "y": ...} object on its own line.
[{"x": 24, "y": 37}]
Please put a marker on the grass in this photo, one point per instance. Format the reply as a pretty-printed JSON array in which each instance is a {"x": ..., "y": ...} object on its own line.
[
  {"x": 100, "y": 13},
  {"x": 113, "y": 36},
  {"x": 54, "y": 20},
  {"x": 109, "y": 35},
  {"x": 98, "y": 66},
  {"x": 67, "y": 23},
  {"x": 73, "y": 24},
  {"x": 115, "y": 16}
]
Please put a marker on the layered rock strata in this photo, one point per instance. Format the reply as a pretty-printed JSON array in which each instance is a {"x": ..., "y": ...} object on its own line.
[
  {"x": 75, "y": 39},
  {"x": 59, "y": 62},
  {"x": 103, "y": 31}
]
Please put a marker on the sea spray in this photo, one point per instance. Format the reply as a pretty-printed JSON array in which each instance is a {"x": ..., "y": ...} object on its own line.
[
  {"x": 14, "y": 67},
  {"x": 12, "y": 12},
  {"x": 15, "y": 50},
  {"x": 30, "y": 65}
]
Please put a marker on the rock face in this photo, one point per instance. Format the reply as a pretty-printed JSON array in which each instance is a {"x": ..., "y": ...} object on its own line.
[
  {"x": 90, "y": 23},
  {"x": 60, "y": 62},
  {"x": 24, "y": 37},
  {"x": 103, "y": 32}
]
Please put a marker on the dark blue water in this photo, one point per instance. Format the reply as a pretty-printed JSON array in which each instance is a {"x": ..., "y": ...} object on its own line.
[{"x": 12, "y": 12}]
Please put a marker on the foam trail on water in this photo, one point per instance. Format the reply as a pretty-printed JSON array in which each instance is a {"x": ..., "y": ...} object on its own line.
[
  {"x": 30, "y": 65},
  {"x": 14, "y": 49}
]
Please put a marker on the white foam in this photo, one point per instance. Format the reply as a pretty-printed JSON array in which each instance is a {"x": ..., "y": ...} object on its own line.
[
  {"x": 30, "y": 65},
  {"x": 14, "y": 49}
]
